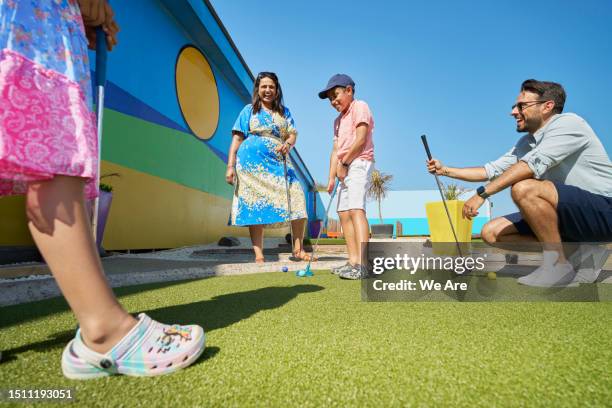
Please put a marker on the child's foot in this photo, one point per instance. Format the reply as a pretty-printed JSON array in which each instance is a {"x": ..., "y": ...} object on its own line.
[
  {"x": 260, "y": 260},
  {"x": 150, "y": 348}
]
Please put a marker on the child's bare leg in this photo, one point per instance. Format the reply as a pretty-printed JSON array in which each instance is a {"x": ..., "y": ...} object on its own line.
[
  {"x": 60, "y": 227},
  {"x": 361, "y": 227},
  {"x": 352, "y": 244},
  {"x": 257, "y": 234}
]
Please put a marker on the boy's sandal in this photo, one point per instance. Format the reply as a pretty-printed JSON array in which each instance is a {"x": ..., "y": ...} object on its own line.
[
  {"x": 303, "y": 257},
  {"x": 150, "y": 348}
]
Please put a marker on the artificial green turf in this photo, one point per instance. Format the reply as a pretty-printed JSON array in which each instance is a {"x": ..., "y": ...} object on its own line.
[
  {"x": 277, "y": 340},
  {"x": 325, "y": 241}
]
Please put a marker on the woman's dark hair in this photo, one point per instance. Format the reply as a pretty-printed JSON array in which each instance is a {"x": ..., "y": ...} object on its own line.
[
  {"x": 547, "y": 91},
  {"x": 277, "y": 104}
]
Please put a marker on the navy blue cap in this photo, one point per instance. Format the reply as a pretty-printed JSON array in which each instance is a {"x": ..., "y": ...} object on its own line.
[{"x": 337, "y": 80}]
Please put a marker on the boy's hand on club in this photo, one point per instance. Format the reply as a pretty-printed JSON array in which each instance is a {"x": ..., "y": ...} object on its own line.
[
  {"x": 341, "y": 172},
  {"x": 471, "y": 206},
  {"x": 330, "y": 185},
  {"x": 434, "y": 166}
]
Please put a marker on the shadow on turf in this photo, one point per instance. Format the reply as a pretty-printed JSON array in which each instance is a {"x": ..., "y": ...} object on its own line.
[
  {"x": 218, "y": 312},
  {"x": 60, "y": 339},
  {"x": 225, "y": 310},
  {"x": 16, "y": 314}
]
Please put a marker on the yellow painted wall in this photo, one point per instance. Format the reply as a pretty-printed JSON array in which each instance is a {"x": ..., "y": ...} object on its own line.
[
  {"x": 13, "y": 222},
  {"x": 151, "y": 212}
]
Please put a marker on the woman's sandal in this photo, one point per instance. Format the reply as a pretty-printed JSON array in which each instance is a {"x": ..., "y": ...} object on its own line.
[
  {"x": 150, "y": 348},
  {"x": 303, "y": 256}
]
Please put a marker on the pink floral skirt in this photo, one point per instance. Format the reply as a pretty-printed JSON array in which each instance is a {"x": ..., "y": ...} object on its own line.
[{"x": 47, "y": 127}]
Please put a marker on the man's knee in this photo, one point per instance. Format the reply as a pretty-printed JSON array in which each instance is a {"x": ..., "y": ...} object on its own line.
[
  {"x": 489, "y": 232},
  {"x": 523, "y": 190}
]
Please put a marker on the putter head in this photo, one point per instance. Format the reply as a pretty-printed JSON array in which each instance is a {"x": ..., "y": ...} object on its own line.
[{"x": 304, "y": 273}]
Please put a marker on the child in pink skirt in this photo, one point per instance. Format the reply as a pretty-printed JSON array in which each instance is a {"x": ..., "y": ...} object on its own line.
[{"x": 48, "y": 151}]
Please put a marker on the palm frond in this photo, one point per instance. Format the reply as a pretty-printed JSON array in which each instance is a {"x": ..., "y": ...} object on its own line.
[{"x": 378, "y": 187}]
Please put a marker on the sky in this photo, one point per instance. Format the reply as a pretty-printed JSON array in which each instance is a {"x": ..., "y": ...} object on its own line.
[{"x": 447, "y": 69}]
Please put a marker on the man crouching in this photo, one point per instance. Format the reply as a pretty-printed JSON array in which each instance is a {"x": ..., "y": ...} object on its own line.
[{"x": 561, "y": 180}]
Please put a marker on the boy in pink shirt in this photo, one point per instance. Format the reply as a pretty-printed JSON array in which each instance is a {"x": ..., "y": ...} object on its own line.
[{"x": 351, "y": 162}]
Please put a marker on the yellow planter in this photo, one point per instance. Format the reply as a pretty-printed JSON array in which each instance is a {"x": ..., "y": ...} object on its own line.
[{"x": 439, "y": 227}]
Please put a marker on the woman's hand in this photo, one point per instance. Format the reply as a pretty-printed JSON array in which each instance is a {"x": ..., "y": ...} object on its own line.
[
  {"x": 284, "y": 148},
  {"x": 230, "y": 175}
]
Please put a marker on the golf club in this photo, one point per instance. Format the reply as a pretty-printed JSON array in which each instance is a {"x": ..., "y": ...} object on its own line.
[
  {"x": 424, "y": 139},
  {"x": 288, "y": 201},
  {"x": 100, "y": 83},
  {"x": 307, "y": 272}
]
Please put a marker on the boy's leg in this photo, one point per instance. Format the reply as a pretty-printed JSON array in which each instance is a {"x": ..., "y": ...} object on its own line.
[
  {"x": 361, "y": 228},
  {"x": 360, "y": 173},
  {"x": 350, "y": 236},
  {"x": 257, "y": 234},
  {"x": 60, "y": 227}
]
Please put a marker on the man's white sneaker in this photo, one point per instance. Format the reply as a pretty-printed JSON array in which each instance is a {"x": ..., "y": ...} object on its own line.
[
  {"x": 588, "y": 261},
  {"x": 547, "y": 276}
]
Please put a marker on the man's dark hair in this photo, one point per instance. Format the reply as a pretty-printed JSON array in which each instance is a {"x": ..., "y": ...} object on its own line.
[{"x": 548, "y": 91}]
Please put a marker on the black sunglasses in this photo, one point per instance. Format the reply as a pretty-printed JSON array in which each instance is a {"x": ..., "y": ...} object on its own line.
[{"x": 522, "y": 105}]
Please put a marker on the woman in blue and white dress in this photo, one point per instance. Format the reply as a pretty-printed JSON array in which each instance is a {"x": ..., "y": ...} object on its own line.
[{"x": 262, "y": 137}]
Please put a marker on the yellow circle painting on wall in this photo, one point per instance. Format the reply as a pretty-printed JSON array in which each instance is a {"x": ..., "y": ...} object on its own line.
[{"x": 197, "y": 93}]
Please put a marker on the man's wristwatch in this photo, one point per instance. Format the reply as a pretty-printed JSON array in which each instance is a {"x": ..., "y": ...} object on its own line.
[{"x": 482, "y": 192}]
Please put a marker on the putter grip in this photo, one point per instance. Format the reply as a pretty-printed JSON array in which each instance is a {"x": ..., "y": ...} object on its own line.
[
  {"x": 100, "y": 57},
  {"x": 424, "y": 139}
]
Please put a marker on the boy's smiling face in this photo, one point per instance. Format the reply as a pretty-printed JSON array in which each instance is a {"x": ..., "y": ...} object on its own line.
[{"x": 340, "y": 98}]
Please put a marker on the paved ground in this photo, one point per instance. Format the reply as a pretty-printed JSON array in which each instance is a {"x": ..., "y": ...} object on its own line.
[{"x": 31, "y": 282}]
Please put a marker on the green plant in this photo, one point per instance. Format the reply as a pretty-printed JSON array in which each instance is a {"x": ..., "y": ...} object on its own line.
[
  {"x": 107, "y": 187},
  {"x": 378, "y": 187},
  {"x": 452, "y": 191},
  {"x": 320, "y": 187}
]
